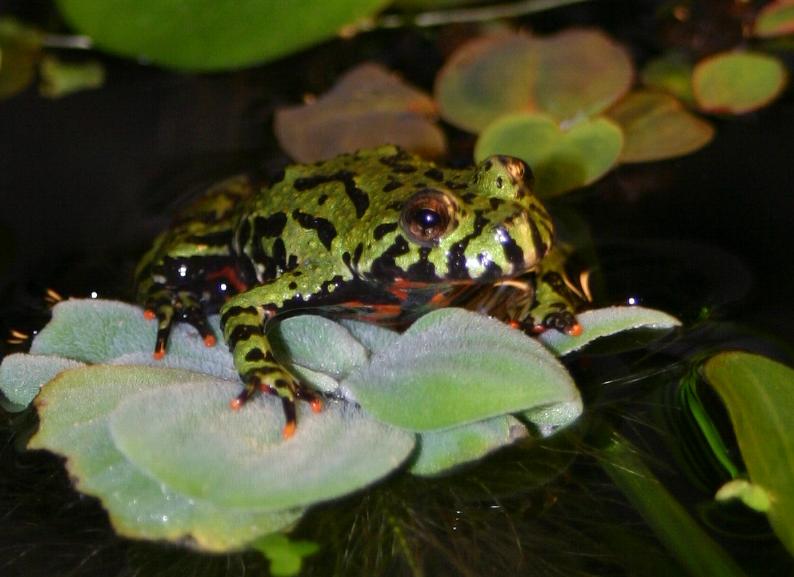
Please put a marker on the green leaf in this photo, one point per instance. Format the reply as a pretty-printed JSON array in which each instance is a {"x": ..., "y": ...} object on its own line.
[
  {"x": 374, "y": 337},
  {"x": 21, "y": 375},
  {"x": 286, "y": 556},
  {"x": 97, "y": 331},
  {"x": 453, "y": 367},
  {"x": 59, "y": 79},
  {"x": 657, "y": 126},
  {"x": 671, "y": 72},
  {"x": 775, "y": 19},
  {"x": 683, "y": 537},
  {"x": 570, "y": 76},
  {"x": 211, "y": 34},
  {"x": 369, "y": 106},
  {"x": 197, "y": 446},
  {"x": 75, "y": 411},
  {"x": 561, "y": 160},
  {"x": 485, "y": 78},
  {"x": 20, "y": 49},
  {"x": 759, "y": 395},
  {"x": 582, "y": 72},
  {"x": 738, "y": 82},
  {"x": 440, "y": 451},
  {"x": 306, "y": 340},
  {"x": 598, "y": 323}
]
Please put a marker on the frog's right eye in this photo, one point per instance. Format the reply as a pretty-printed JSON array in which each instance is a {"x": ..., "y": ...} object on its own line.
[{"x": 428, "y": 215}]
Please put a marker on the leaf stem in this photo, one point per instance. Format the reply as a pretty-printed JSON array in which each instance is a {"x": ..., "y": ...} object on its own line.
[
  {"x": 463, "y": 15},
  {"x": 698, "y": 553},
  {"x": 70, "y": 41}
]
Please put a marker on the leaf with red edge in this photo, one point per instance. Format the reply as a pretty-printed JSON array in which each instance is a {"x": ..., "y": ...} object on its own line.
[
  {"x": 369, "y": 106},
  {"x": 775, "y": 19},
  {"x": 738, "y": 82},
  {"x": 657, "y": 126}
]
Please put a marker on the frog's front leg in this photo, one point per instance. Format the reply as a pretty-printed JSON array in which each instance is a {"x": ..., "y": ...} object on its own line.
[
  {"x": 551, "y": 301},
  {"x": 243, "y": 320}
]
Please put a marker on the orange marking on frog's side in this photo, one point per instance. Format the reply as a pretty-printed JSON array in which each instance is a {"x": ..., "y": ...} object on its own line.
[{"x": 230, "y": 274}]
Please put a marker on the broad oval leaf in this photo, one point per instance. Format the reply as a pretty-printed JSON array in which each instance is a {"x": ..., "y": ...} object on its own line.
[
  {"x": 196, "y": 445},
  {"x": 21, "y": 375},
  {"x": 581, "y": 73},
  {"x": 738, "y": 82},
  {"x": 211, "y": 34},
  {"x": 74, "y": 412},
  {"x": 453, "y": 367},
  {"x": 570, "y": 76},
  {"x": 598, "y": 323},
  {"x": 657, "y": 126},
  {"x": 440, "y": 451},
  {"x": 775, "y": 19},
  {"x": 561, "y": 160},
  {"x": 486, "y": 78},
  {"x": 368, "y": 107},
  {"x": 759, "y": 395}
]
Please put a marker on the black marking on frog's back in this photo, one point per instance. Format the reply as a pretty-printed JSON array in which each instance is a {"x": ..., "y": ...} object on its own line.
[
  {"x": 269, "y": 226},
  {"x": 452, "y": 185},
  {"x": 434, "y": 174},
  {"x": 423, "y": 269},
  {"x": 456, "y": 258},
  {"x": 399, "y": 162},
  {"x": 514, "y": 253},
  {"x": 358, "y": 197},
  {"x": 392, "y": 185},
  {"x": 385, "y": 264},
  {"x": 383, "y": 229},
  {"x": 326, "y": 231}
]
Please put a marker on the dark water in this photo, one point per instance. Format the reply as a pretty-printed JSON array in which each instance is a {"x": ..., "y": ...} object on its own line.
[{"x": 86, "y": 182}]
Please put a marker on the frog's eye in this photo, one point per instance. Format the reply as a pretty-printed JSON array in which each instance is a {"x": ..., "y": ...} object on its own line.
[{"x": 427, "y": 216}]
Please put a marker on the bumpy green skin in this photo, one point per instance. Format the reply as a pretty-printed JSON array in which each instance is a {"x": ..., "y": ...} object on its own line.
[{"x": 339, "y": 237}]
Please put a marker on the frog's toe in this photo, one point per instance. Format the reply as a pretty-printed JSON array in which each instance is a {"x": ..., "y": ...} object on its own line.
[{"x": 562, "y": 321}]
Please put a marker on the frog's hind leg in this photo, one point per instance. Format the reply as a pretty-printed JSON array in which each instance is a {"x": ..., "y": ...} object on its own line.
[
  {"x": 167, "y": 306},
  {"x": 258, "y": 368}
]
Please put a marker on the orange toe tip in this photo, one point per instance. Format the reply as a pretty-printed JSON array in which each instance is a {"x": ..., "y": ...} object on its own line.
[
  {"x": 158, "y": 355},
  {"x": 575, "y": 330},
  {"x": 513, "y": 324},
  {"x": 538, "y": 329},
  {"x": 235, "y": 404},
  {"x": 149, "y": 315},
  {"x": 210, "y": 340},
  {"x": 316, "y": 405},
  {"x": 289, "y": 430}
]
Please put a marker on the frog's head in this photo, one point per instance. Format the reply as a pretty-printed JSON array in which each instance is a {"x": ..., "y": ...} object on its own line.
[{"x": 495, "y": 227}]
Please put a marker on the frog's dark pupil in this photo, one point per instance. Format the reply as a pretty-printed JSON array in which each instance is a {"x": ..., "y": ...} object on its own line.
[{"x": 426, "y": 218}]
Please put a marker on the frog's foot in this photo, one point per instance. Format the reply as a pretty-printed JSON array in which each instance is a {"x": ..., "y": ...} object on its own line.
[
  {"x": 182, "y": 306},
  {"x": 562, "y": 321},
  {"x": 285, "y": 387}
]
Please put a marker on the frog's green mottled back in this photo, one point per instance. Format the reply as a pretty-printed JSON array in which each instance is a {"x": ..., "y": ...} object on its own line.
[{"x": 377, "y": 234}]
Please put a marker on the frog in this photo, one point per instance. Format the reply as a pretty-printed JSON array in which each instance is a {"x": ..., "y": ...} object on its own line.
[{"x": 380, "y": 235}]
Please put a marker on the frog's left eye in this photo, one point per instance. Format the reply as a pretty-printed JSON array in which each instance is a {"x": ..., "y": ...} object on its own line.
[{"x": 427, "y": 216}]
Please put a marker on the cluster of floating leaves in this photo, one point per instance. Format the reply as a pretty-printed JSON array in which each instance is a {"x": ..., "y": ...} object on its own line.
[
  {"x": 563, "y": 103},
  {"x": 156, "y": 441}
]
